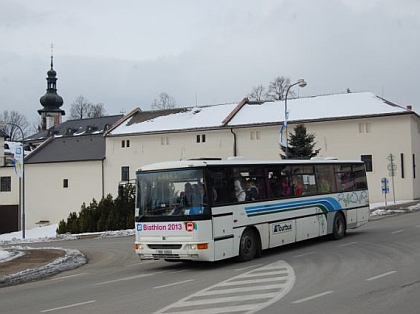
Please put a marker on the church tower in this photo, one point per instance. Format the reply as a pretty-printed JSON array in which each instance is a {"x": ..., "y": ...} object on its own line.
[{"x": 51, "y": 114}]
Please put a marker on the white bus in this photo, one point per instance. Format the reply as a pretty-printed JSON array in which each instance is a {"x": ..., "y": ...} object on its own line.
[{"x": 209, "y": 210}]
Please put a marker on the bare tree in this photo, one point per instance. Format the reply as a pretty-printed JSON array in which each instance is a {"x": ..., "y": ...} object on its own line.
[
  {"x": 277, "y": 88},
  {"x": 257, "y": 93},
  {"x": 81, "y": 108},
  {"x": 96, "y": 110},
  {"x": 14, "y": 120},
  {"x": 165, "y": 102},
  {"x": 36, "y": 126}
]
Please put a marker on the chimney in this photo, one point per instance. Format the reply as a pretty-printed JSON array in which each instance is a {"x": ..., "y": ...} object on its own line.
[
  {"x": 410, "y": 107},
  {"x": 49, "y": 122}
]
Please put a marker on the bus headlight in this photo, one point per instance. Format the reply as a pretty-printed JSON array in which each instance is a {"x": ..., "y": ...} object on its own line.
[
  {"x": 198, "y": 246},
  {"x": 138, "y": 246}
]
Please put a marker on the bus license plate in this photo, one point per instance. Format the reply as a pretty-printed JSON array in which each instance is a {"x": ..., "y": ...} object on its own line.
[{"x": 164, "y": 251}]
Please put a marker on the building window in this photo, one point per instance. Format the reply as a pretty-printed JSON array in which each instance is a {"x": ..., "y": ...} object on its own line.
[
  {"x": 255, "y": 135},
  {"x": 402, "y": 165},
  {"x": 367, "y": 159},
  {"x": 5, "y": 184},
  {"x": 125, "y": 173},
  {"x": 65, "y": 183},
  {"x": 201, "y": 138},
  {"x": 365, "y": 127},
  {"x": 164, "y": 141},
  {"x": 125, "y": 143},
  {"x": 368, "y": 127}
]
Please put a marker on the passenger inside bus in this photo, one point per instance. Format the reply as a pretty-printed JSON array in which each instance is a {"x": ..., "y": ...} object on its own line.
[
  {"x": 187, "y": 195},
  {"x": 286, "y": 189},
  {"x": 297, "y": 186},
  {"x": 239, "y": 191},
  {"x": 251, "y": 191},
  {"x": 324, "y": 185}
]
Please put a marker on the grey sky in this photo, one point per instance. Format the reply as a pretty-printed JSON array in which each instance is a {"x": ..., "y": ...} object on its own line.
[{"x": 124, "y": 53}]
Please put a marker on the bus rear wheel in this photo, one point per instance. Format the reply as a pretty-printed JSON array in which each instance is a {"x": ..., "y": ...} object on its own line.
[
  {"x": 248, "y": 247},
  {"x": 339, "y": 227}
]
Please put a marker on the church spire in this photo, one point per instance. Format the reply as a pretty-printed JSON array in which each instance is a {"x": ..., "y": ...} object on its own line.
[{"x": 51, "y": 114}]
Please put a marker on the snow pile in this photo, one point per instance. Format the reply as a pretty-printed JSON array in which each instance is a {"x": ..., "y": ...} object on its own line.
[
  {"x": 71, "y": 260},
  {"x": 400, "y": 207},
  {"x": 39, "y": 234},
  {"x": 6, "y": 256}
]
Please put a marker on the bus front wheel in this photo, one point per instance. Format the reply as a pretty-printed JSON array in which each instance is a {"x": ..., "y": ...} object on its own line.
[
  {"x": 248, "y": 246},
  {"x": 339, "y": 227}
]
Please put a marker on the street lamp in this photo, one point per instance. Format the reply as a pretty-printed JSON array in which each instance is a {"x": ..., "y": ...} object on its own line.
[
  {"x": 301, "y": 83},
  {"x": 22, "y": 178}
]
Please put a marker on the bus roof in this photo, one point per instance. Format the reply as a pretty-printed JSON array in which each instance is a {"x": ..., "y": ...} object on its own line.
[{"x": 237, "y": 161}]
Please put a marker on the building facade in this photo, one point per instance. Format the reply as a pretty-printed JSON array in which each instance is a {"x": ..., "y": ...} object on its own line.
[
  {"x": 359, "y": 126},
  {"x": 61, "y": 174}
]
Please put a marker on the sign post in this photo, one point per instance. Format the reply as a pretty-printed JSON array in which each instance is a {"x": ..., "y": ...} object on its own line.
[
  {"x": 385, "y": 188},
  {"x": 392, "y": 167}
]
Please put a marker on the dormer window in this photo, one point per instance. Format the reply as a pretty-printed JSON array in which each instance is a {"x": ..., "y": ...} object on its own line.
[{"x": 91, "y": 129}]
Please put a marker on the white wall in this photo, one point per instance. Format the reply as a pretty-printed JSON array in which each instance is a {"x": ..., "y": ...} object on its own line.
[
  {"x": 12, "y": 197},
  {"x": 345, "y": 139},
  {"x": 46, "y": 199}
]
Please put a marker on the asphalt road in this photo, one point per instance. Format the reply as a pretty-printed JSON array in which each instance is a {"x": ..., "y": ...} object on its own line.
[{"x": 375, "y": 269}]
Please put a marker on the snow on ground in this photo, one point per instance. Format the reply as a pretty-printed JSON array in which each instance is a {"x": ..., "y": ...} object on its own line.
[{"x": 397, "y": 207}]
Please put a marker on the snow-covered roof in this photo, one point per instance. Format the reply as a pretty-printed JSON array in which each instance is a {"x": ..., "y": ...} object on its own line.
[
  {"x": 249, "y": 113},
  {"x": 190, "y": 118},
  {"x": 314, "y": 108}
]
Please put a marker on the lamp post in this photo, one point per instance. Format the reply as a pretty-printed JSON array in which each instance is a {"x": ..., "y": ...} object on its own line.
[
  {"x": 21, "y": 178},
  {"x": 301, "y": 83}
]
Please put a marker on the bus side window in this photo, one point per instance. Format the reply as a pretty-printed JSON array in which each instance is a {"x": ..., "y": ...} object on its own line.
[
  {"x": 345, "y": 178},
  {"x": 325, "y": 179}
]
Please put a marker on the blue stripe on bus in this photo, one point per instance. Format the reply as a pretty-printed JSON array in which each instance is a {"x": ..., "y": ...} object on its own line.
[{"x": 326, "y": 203}]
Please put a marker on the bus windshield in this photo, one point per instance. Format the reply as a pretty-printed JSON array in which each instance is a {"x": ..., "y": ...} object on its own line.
[{"x": 171, "y": 193}]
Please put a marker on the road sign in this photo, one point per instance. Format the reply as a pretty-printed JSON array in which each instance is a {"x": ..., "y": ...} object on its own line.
[{"x": 385, "y": 188}]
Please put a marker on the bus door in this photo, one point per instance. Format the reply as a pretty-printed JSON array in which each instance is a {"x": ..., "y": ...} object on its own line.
[{"x": 223, "y": 235}]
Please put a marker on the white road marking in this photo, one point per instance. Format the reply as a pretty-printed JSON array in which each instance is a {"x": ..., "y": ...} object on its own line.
[
  {"x": 249, "y": 267},
  {"x": 313, "y": 297},
  {"x": 397, "y": 231},
  {"x": 67, "y": 277},
  {"x": 247, "y": 293},
  {"x": 179, "y": 271},
  {"x": 382, "y": 275},
  {"x": 347, "y": 244},
  {"x": 128, "y": 278},
  {"x": 173, "y": 284},
  {"x": 68, "y": 306},
  {"x": 305, "y": 254}
]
